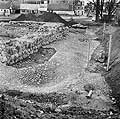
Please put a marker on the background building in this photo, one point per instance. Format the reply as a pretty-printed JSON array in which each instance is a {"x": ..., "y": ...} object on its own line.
[
  {"x": 33, "y": 6},
  {"x": 39, "y": 6},
  {"x": 5, "y": 9},
  {"x": 73, "y": 6},
  {"x": 79, "y": 7}
]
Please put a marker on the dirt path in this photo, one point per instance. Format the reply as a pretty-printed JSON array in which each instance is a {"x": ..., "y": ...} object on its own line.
[{"x": 71, "y": 59}]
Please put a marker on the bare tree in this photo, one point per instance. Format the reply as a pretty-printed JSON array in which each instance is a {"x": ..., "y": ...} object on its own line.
[
  {"x": 111, "y": 7},
  {"x": 101, "y": 8},
  {"x": 97, "y": 9},
  {"x": 97, "y": 6}
]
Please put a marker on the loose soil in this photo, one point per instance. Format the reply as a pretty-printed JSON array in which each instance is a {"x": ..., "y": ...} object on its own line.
[{"x": 18, "y": 105}]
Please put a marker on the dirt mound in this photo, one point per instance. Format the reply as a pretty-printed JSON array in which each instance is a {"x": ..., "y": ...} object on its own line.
[
  {"x": 26, "y": 17},
  {"x": 45, "y": 17},
  {"x": 51, "y": 17}
]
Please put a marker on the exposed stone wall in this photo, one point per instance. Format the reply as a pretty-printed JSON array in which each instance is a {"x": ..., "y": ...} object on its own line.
[{"x": 31, "y": 37}]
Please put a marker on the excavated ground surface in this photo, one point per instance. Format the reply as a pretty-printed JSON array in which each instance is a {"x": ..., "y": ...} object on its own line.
[
  {"x": 43, "y": 55},
  {"x": 64, "y": 72}
]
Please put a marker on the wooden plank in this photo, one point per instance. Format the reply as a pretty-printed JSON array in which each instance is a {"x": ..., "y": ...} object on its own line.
[
  {"x": 109, "y": 52},
  {"x": 88, "y": 49},
  {"x": 104, "y": 25}
]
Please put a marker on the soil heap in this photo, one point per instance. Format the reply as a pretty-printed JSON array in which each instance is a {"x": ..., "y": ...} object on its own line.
[
  {"x": 45, "y": 17},
  {"x": 51, "y": 17},
  {"x": 26, "y": 17}
]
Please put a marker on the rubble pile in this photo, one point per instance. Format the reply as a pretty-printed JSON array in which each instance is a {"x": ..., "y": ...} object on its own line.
[
  {"x": 99, "y": 58},
  {"x": 18, "y": 29},
  {"x": 27, "y": 38},
  {"x": 100, "y": 54},
  {"x": 41, "y": 74},
  {"x": 40, "y": 57}
]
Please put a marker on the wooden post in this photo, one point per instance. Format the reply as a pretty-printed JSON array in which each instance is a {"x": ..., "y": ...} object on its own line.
[
  {"x": 87, "y": 33},
  {"x": 88, "y": 37},
  {"x": 88, "y": 48},
  {"x": 108, "y": 62},
  {"x": 104, "y": 25}
]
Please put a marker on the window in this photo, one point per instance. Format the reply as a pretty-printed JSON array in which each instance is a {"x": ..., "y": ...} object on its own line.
[
  {"x": 23, "y": 10},
  {"x": 48, "y": 1},
  {"x": 28, "y": 11},
  {"x": 42, "y": 2},
  {"x": 38, "y": 2}
]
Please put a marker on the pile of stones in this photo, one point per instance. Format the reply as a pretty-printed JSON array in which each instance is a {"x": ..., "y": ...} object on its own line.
[{"x": 31, "y": 37}]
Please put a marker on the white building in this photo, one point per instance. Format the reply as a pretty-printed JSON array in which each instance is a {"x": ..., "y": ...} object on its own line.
[
  {"x": 4, "y": 9},
  {"x": 67, "y": 6},
  {"x": 58, "y": 6},
  {"x": 79, "y": 8},
  {"x": 33, "y": 6}
]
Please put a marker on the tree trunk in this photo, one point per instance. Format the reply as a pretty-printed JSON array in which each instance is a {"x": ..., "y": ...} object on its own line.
[
  {"x": 101, "y": 8},
  {"x": 111, "y": 9},
  {"x": 97, "y": 10}
]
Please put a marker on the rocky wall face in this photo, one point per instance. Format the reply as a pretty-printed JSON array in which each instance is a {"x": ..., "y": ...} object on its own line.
[{"x": 31, "y": 37}]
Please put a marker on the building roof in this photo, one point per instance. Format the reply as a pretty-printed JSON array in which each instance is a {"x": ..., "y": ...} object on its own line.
[
  {"x": 4, "y": 5},
  {"x": 59, "y": 7}
]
